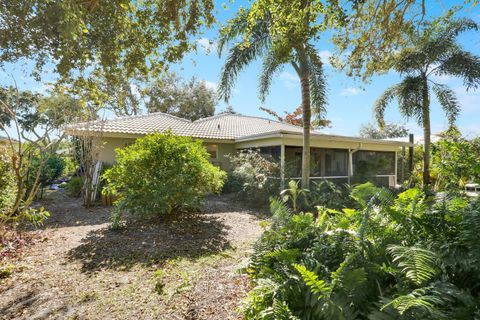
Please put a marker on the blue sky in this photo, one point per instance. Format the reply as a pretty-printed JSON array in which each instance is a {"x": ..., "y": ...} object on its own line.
[{"x": 350, "y": 102}]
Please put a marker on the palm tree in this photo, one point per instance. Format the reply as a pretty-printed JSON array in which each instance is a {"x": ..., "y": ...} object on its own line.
[
  {"x": 433, "y": 52},
  {"x": 303, "y": 57}
]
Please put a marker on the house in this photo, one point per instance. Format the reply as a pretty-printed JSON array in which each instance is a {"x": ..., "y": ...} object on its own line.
[{"x": 339, "y": 158}]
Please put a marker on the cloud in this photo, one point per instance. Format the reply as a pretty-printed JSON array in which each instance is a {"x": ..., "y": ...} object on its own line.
[
  {"x": 289, "y": 79},
  {"x": 352, "y": 91},
  {"x": 211, "y": 85},
  {"x": 325, "y": 56},
  {"x": 207, "y": 45},
  {"x": 469, "y": 100}
]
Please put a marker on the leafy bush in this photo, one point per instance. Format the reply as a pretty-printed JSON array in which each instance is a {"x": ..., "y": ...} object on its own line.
[
  {"x": 256, "y": 175},
  {"x": 7, "y": 182},
  {"x": 74, "y": 187},
  {"x": 162, "y": 173},
  {"x": 51, "y": 169},
  {"x": 411, "y": 256}
]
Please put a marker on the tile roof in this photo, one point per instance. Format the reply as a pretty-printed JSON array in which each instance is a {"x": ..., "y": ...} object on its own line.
[{"x": 222, "y": 126}]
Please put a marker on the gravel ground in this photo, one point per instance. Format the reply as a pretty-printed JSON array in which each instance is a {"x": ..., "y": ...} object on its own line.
[{"x": 184, "y": 268}]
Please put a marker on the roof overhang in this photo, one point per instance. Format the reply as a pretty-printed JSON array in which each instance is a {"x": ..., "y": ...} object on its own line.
[{"x": 323, "y": 137}]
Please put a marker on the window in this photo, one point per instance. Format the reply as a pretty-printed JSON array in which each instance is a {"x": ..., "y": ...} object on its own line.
[
  {"x": 367, "y": 164},
  {"x": 336, "y": 162},
  {"x": 212, "y": 150}
]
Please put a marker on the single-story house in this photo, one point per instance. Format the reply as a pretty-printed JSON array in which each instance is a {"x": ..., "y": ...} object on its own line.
[{"x": 339, "y": 158}]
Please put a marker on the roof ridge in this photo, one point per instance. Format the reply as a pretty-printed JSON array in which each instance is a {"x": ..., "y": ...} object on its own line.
[
  {"x": 244, "y": 116},
  {"x": 146, "y": 115}
]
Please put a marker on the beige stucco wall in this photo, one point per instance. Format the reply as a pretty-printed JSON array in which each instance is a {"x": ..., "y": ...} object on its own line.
[{"x": 107, "y": 152}]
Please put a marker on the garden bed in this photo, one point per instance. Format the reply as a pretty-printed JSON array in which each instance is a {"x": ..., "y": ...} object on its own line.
[{"x": 186, "y": 268}]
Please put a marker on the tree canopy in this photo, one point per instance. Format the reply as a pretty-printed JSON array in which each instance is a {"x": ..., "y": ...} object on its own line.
[
  {"x": 185, "y": 99},
  {"x": 389, "y": 130},
  {"x": 115, "y": 36}
]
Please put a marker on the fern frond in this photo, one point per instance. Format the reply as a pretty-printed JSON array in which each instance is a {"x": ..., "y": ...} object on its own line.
[
  {"x": 419, "y": 265},
  {"x": 316, "y": 286}
]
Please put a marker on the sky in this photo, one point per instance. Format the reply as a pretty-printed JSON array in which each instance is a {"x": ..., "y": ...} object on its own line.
[{"x": 349, "y": 101}]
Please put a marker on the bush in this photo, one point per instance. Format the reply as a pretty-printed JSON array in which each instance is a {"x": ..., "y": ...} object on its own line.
[
  {"x": 162, "y": 173},
  {"x": 256, "y": 176},
  {"x": 411, "y": 256},
  {"x": 7, "y": 182},
  {"x": 74, "y": 187},
  {"x": 51, "y": 170}
]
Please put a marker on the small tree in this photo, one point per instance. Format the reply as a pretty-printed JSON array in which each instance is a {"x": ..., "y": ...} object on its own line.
[
  {"x": 160, "y": 174},
  {"x": 388, "y": 131}
]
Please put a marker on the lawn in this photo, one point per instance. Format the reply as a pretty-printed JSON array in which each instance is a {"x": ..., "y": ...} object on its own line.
[{"x": 184, "y": 268}]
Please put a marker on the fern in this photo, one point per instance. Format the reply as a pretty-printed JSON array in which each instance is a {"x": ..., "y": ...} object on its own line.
[
  {"x": 419, "y": 265},
  {"x": 316, "y": 286}
]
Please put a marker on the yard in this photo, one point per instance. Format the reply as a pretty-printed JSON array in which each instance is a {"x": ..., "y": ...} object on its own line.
[{"x": 184, "y": 269}]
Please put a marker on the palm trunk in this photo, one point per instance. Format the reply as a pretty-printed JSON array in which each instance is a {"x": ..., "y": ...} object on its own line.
[
  {"x": 426, "y": 134},
  {"x": 307, "y": 114}
]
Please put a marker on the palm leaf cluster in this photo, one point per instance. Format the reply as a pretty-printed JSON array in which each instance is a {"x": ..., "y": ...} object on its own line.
[
  {"x": 433, "y": 53},
  {"x": 259, "y": 44},
  {"x": 405, "y": 256}
]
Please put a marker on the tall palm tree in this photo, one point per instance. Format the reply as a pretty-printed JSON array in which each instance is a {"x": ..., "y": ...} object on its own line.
[
  {"x": 434, "y": 52},
  {"x": 303, "y": 57}
]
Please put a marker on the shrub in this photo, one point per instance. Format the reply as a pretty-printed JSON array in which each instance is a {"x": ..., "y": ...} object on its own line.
[
  {"x": 7, "y": 182},
  {"x": 257, "y": 175},
  {"x": 162, "y": 173},
  {"x": 74, "y": 187},
  {"x": 410, "y": 256},
  {"x": 51, "y": 169}
]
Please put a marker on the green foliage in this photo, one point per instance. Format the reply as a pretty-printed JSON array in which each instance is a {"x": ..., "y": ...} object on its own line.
[
  {"x": 410, "y": 256},
  {"x": 431, "y": 52},
  {"x": 190, "y": 100},
  {"x": 256, "y": 174},
  {"x": 294, "y": 194},
  {"x": 330, "y": 195},
  {"x": 455, "y": 161},
  {"x": 74, "y": 187},
  {"x": 388, "y": 131},
  {"x": 7, "y": 181},
  {"x": 162, "y": 173},
  {"x": 110, "y": 35}
]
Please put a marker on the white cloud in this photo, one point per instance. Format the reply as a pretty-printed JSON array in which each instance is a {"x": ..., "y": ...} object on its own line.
[
  {"x": 469, "y": 100},
  {"x": 352, "y": 91},
  {"x": 211, "y": 85},
  {"x": 289, "y": 79},
  {"x": 207, "y": 45},
  {"x": 325, "y": 56}
]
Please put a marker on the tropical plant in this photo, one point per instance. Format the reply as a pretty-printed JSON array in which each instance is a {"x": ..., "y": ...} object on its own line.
[
  {"x": 294, "y": 194},
  {"x": 409, "y": 256},
  {"x": 50, "y": 168},
  {"x": 254, "y": 176},
  {"x": 433, "y": 51},
  {"x": 162, "y": 174},
  {"x": 260, "y": 41}
]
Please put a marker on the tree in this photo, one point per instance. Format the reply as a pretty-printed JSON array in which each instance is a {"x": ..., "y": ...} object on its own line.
[
  {"x": 295, "y": 118},
  {"x": 389, "y": 130},
  {"x": 119, "y": 37},
  {"x": 185, "y": 99},
  {"x": 285, "y": 31},
  {"x": 260, "y": 39},
  {"x": 433, "y": 51}
]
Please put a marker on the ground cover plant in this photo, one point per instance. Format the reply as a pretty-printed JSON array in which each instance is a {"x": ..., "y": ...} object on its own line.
[
  {"x": 410, "y": 256},
  {"x": 162, "y": 174}
]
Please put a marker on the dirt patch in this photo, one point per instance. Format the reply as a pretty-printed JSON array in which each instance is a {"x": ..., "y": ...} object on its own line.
[{"x": 183, "y": 269}]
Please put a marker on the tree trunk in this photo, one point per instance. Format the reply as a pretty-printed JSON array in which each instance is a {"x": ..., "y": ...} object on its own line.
[
  {"x": 307, "y": 114},
  {"x": 426, "y": 134}
]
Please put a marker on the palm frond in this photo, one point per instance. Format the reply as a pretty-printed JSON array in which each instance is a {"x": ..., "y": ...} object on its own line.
[
  {"x": 464, "y": 65},
  {"x": 235, "y": 28},
  {"x": 381, "y": 104},
  {"x": 419, "y": 265},
  {"x": 448, "y": 100},
  {"x": 281, "y": 311},
  {"x": 318, "y": 84},
  {"x": 410, "y": 97},
  {"x": 272, "y": 64},
  {"x": 242, "y": 53}
]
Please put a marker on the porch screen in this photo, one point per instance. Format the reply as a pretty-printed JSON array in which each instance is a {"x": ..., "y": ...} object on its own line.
[{"x": 373, "y": 163}]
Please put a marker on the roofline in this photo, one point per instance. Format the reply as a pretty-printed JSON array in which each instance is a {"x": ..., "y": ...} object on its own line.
[{"x": 282, "y": 133}]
